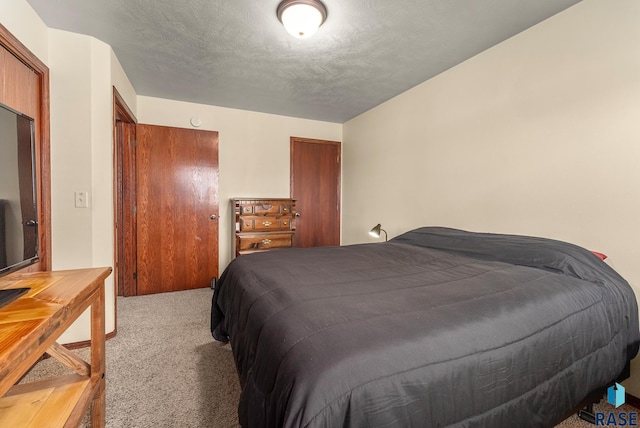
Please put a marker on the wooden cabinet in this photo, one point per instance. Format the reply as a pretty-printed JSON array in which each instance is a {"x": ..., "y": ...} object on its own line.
[
  {"x": 263, "y": 224},
  {"x": 29, "y": 327}
]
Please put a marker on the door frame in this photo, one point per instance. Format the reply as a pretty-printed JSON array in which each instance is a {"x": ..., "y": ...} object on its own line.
[{"x": 124, "y": 200}]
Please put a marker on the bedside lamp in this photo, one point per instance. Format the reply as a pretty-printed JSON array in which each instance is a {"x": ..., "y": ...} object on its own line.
[{"x": 375, "y": 232}]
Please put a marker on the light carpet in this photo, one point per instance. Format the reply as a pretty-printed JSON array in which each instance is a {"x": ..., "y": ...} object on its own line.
[{"x": 164, "y": 369}]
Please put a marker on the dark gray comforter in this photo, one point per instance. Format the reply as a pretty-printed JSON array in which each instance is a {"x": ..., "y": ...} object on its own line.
[{"x": 437, "y": 327}]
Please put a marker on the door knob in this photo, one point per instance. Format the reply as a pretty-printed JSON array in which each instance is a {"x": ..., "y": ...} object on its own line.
[
  {"x": 213, "y": 217},
  {"x": 297, "y": 214}
]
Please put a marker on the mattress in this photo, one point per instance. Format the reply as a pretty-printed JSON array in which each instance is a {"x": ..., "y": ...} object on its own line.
[{"x": 437, "y": 327}]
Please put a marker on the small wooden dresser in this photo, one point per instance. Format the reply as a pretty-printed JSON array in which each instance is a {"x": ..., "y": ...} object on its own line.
[{"x": 263, "y": 224}]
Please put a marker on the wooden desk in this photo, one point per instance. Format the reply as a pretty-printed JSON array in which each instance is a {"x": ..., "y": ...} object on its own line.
[{"x": 29, "y": 328}]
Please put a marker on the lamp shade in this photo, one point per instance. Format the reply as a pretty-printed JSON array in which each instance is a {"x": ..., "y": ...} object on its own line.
[
  {"x": 301, "y": 18},
  {"x": 375, "y": 232}
]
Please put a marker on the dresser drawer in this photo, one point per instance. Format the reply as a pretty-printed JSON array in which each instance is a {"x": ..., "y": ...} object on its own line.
[
  {"x": 253, "y": 223},
  {"x": 245, "y": 209},
  {"x": 272, "y": 208},
  {"x": 264, "y": 242}
]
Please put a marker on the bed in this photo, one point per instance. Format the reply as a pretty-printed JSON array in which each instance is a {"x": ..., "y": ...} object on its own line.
[{"x": 437, "y": 327}]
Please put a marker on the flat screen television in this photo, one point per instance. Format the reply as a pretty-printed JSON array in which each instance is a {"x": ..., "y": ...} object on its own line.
[{"x": 18, "y": 202}]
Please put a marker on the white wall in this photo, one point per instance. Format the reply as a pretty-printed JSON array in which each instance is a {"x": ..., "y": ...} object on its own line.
[
  {"x": 120, "y": 80},
  {"x": 21, "y": 20},
  {"x": 71, "y": 134},
  {"x": 253, "y": 150},
  {"x": 539, "y": 135},
  {"x": 81, "y": 79}
]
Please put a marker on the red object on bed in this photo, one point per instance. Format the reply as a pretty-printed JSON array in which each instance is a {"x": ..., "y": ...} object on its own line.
[{"x": 600, "y": 255}]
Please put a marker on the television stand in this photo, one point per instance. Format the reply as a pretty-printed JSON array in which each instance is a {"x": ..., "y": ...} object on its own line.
[
  {"x": 9, "y": 295},
  {"x": 29, "y": 327}
]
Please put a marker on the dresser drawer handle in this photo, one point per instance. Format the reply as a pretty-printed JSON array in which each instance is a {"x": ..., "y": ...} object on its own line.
[
  {"x": 266, "y": 241},
  {"x": 266, "y": 223}
]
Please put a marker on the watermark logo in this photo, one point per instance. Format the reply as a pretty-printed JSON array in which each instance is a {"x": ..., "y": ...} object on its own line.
[{"x": 616, "y": 397}]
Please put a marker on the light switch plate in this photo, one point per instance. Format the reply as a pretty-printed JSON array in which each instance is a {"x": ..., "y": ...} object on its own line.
[{"x": 82, "y": 199}]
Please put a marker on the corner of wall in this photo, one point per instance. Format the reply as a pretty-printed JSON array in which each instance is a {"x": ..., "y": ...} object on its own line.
[
  {"x": 121, "y": 81},
  {"x": 23, "y": 22}
]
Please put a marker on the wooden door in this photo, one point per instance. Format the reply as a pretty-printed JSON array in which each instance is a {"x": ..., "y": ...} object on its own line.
[
  {"x": 315, "y": 184},
  {"x": 177, "y": 208}
]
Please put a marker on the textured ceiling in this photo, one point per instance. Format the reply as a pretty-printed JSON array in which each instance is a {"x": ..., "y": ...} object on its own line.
[{"x": 235, "y": 53}]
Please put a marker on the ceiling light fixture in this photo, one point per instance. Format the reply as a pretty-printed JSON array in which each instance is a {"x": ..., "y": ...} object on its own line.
[{"x": 302, "y": 18}]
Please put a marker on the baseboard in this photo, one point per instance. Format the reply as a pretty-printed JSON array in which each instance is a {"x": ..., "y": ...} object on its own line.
[
  {"x": 79, "y": 345},
  {"x": 87, "y": 343},
  {"x": 70, "y": 346},
  {"x": 632, "y": 400}
]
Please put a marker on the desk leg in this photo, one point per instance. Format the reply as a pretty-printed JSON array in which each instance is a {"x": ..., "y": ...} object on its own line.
[{"x": 98, "y": 406}]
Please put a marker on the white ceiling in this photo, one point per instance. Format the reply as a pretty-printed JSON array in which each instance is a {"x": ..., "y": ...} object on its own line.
[{"x": 235, "y": 53}]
